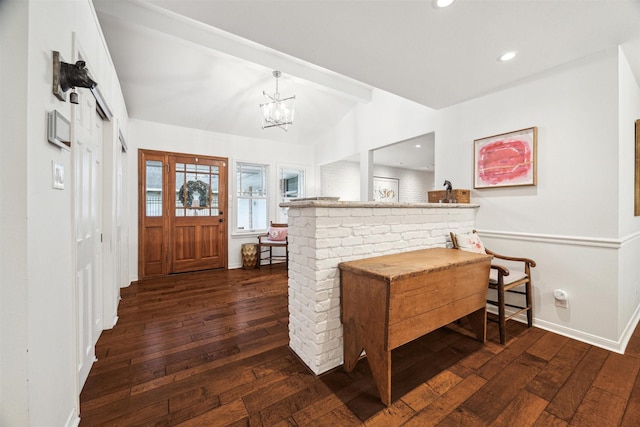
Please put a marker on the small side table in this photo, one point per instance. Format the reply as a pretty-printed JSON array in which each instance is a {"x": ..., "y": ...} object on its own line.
[{"x": 249, "y": 253}]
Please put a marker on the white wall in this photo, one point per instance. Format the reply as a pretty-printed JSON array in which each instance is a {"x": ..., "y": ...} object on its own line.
[
  {"x": 629, "y": 225},
  {"x": 569, "y": 222},
  {"x": 386, "y": 119},
  {"x": 39, "y": 381},
  {"x": 154, "y": 136},
  {"x": 13, "y": 213},
  {"x": 575, "y": 110},
  {"x": 413, "y": 184},
  {"x": 342, "y": 179}
]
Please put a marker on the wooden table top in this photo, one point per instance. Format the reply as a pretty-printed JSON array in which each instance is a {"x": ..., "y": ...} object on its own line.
[{"x": 413, "y": 263}]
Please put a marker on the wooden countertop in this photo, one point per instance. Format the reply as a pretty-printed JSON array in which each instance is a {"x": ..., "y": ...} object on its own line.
[
  {"x": 325, "y": 203},
  {"x": 409, "y": 264}
]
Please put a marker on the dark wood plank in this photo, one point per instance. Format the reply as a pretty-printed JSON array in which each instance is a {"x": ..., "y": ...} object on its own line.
[
  {"x": 547, "y": 383},
  {"x": 547, "y": 346},
  {"x": 223, "y": 415},
  {"x": 631, "y": 416},
  {"x": 211, "y": 348},
  {"x": 548, "y": 420},
  {"x": 573, "y": 391},
  {"x": 423, "y": 395},
  {"x": 516, "y": 347},
  {"x": 395, "y": 415},
  {"x": 502, "y": 388},
  {"x": 618, "y": 375},
  {"x": 599, "y": 408},
  {"x": 522, "y": 411},
  {"x": 447, "y": 403}
]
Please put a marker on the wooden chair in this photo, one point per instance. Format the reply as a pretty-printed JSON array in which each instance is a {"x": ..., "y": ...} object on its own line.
[
  {"x": 276, "y": 237},
  {"x": 505, "y": 282}
]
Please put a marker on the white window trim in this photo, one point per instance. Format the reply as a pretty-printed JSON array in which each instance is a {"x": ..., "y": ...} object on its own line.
[
  {"x": 276, "y": 184},
  {"x": 247, "y": 233}
]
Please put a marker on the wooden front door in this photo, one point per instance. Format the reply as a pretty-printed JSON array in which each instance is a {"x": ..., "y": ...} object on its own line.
[
  {"x": 198, "y": 230},
  {"x": 183, "y": 207}
]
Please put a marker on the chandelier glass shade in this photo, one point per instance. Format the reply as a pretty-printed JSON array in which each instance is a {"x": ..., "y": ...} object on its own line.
[{"x": 277, "y": 112}]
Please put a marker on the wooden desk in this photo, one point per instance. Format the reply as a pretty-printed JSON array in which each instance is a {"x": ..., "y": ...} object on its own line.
[{"x": 390, "y": 300}]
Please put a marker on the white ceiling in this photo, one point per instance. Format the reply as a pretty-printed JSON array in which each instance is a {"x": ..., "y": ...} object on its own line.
[{"x": 204, "y": 64}]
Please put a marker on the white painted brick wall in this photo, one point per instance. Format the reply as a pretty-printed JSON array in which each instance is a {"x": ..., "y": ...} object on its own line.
[{"x": 321, "y": 237}]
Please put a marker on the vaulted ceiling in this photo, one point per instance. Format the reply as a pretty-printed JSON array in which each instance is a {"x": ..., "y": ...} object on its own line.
[{"x": 204, "y": 64}]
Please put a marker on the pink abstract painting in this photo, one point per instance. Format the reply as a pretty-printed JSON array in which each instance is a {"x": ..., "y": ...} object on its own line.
[{"x": 506, "y": 160}]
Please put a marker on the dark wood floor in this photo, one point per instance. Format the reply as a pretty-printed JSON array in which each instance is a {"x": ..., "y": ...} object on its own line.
[{"x": 211, "y": 349}]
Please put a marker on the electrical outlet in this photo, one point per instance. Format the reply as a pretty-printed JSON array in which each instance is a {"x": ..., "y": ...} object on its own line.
[{"x": 561, "y": 297}]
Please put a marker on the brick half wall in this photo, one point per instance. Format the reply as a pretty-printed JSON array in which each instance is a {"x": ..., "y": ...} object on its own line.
[{"x": 323, "y": 234}]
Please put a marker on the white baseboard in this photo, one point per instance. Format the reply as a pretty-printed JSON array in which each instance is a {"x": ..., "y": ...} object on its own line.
[
  {"x": 628, "y": 330},
  {"x": 73, "y": 420},
  {"x": 615, "y": 346},
  {"x": 115, "y": 321}
]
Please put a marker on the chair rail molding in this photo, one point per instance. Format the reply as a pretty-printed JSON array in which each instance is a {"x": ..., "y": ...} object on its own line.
[{"x": 597, "y": 242}]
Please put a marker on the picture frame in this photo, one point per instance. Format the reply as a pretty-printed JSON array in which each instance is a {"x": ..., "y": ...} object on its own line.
[
  {"x": 386, "y": 189},
  {"x": 506, "y": 160}
]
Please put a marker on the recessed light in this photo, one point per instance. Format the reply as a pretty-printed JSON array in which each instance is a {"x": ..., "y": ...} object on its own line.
[
  {"x": 442, "y": 3},
  {"x": 508, "y": 56},
  {"x": 418, "y": 145}
]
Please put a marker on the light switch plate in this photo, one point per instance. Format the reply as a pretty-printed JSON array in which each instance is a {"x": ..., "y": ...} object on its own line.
[{"x": 58, "y": 175}]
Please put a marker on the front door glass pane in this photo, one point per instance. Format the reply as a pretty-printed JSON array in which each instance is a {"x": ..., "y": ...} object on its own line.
[
  {"x": 196, "y": 190},
  {"x": 153, "y": 205}
]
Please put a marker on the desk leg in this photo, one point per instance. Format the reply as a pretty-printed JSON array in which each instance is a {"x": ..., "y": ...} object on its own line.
[
  {"x": 478, "y": 322},
  {"x": 364, "y": 317},
  {"x": 380, "y": 364},
  {"x": 352, "y": 346}
]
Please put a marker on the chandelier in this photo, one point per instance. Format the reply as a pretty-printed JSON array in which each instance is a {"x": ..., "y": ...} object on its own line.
[{"x": 277, "y": 112}]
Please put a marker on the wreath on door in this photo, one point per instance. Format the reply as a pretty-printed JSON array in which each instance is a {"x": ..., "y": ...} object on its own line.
[{"x": 197, "y": 186}]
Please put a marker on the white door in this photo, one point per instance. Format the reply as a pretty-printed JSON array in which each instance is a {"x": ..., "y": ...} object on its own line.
[
  {"x": 110, "y": 285},
  {"x": 88, "y": 219},
  {"x": 122, "y": 215}
]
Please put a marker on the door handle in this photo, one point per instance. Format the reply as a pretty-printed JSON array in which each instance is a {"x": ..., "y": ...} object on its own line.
[{"x": 221, "y": 220}]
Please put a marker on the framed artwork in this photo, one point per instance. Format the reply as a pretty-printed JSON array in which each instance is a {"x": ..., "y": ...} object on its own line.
[
  {"x": 636, "y": 197},
  {"x": 506, "y": 160},
  {"x": 385, "y": 189}
]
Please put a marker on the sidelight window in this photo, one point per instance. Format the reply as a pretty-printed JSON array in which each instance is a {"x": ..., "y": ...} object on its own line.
[{"x": 153, "y": 188}]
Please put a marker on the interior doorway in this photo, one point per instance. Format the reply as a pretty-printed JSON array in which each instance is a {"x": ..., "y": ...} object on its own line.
[
  {"x": 87, "y": 166},
  {"x": 182, "y": 211}
]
